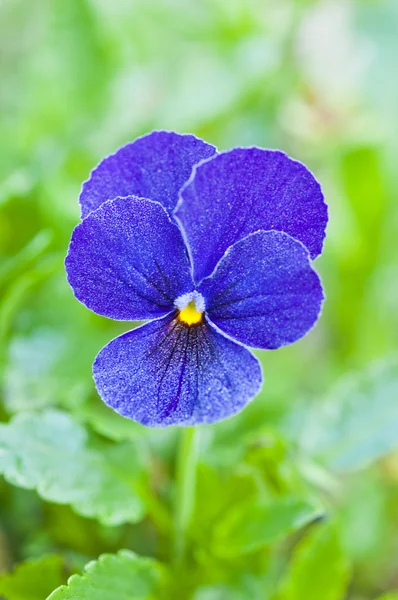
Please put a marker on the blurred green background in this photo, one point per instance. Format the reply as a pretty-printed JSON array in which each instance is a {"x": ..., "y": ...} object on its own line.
[{"x": 317, "y": 79}]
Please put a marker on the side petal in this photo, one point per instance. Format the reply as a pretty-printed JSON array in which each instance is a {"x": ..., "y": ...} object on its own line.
[
  {"x": 154, "y": 166},
  {"x": 167, "y": 373},
  {"x": 264, "y": 292},
  {"x": 127, "y": 260},
  {"x": 242, "y": 191}
]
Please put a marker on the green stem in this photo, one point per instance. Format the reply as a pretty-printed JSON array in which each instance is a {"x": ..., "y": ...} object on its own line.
[
  {"x": 25, "y": 257},
  {"x": 185, "y": 492}
]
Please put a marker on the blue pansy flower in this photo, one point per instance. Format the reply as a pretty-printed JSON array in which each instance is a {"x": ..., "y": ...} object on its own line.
[{"x": 215, "y": 250}]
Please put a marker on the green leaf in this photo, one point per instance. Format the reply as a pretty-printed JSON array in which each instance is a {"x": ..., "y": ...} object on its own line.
[
  {"x": 124, "y": 576},
  {"x": 377, "y": 22},
  {"x": 48, "y": 451},
  {"x": 319, "y": 570},
  {"x": 389, "y": 596},
  {"x": 107, "y": 422},
  {"x": 357, "y": 423},
  {"x": 364, "y": 518},
  {"x": 26, "y": 256},
  {"x": 250, "y": 526},
  {"x": 51, "y": 349},
  {"x": 245, "y": 591},
  {"x": 33, "y": 579}
]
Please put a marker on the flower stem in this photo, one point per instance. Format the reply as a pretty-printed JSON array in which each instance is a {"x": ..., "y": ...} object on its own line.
[{"x": 185, "y": 488}]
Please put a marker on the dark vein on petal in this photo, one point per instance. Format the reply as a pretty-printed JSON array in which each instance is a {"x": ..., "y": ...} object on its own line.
[
  {"x": 163, "y": 339},
  {"x": 164, "y": 279},
  {"x": 118, "y": 277},
  {"x": 214, "y": 355},
  {"x": 152, "y": 283},
  {"x": 174, "y": 403},
  {"x": 197, "y": 397},
  {"x": 168, "y": 363},
  {"x": 227, "y": 289}
]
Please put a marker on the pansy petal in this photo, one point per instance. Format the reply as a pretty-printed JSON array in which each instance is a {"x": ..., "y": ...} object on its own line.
[
  {"x": 264, "y": 292},
  {"x": 127, "y": 260},
  {"x": 242, "y": 191},
  {"x": 167, "y": 373},
  {"x": 154, "y": 166}
]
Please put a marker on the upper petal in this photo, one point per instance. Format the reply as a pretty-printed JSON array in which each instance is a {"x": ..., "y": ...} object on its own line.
[
  {"x": 264, "y": 292},
  {"x": 154, "y": 166},
  {"x": 167, "y": 373},
  {"x": 244, "y": 190},
  {"x": 127, "y": 260}
]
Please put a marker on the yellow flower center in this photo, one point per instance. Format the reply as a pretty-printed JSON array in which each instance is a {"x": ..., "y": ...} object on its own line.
[{"x": 190, "y": 315}]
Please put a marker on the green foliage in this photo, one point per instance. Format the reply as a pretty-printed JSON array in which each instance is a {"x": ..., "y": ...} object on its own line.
[
  {"x": 364, "y": 520},
  {"x": 252, "y": 526},
  {"x": 356, "y": 424},
  {"x": 224, "y": 592},
  {"x": 314, "y": 78},
  {"x": 33, "y": 579},
  {"x": 107, "y": 422},
  {"x": 124, "y": 575},
  {"x": 318, "y": 570},
  {"x": 48, "y": 451},
  {"x": 51, "y": 350}
]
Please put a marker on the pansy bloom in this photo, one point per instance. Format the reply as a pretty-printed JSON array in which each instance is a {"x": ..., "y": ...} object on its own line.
[{"x": 215, "y": 250}]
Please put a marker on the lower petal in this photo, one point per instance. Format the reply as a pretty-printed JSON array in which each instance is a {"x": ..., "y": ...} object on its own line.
[{"x": 168, "y": 373}]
